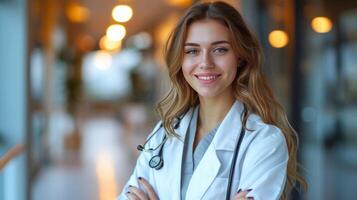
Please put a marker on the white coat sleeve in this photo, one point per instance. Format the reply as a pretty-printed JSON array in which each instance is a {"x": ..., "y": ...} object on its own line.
[
  {"x": 141, "y": 169},
  {"x": 265, "y": 165}
]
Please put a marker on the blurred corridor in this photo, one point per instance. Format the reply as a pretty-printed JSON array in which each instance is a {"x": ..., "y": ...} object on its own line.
[
  {"x": 100, "y": 169},
  {"x": 79, "y": 83}
]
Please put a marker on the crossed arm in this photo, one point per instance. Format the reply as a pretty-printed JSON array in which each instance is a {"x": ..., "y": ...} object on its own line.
[{"x": 135, "y": 193}]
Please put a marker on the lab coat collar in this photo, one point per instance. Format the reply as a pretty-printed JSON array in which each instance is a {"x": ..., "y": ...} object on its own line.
[
  {"x": 184, "y": 123},
  {"x": 229, "y": 130}
]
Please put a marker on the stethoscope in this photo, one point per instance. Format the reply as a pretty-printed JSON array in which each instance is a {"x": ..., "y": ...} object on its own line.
[{"x": 157, "y": 161}]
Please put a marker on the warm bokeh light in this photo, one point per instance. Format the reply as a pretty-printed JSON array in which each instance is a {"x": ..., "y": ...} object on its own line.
[
  {"x": 321, "y": 24},
  {"x": 116, "y": 32},
  {"x": 77, "y": 13},
  {"x": 122, "y": 13},
  {"x": 278, "y": 38},
  {"x": 106, "y": 177},
  {"x": 180, "y": 3},
  {"x": 102, "y": 60},
  {"x": 109, "y": 45}
]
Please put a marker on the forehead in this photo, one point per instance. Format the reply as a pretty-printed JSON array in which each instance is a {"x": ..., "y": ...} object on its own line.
[{"x": 207, "y": 31}]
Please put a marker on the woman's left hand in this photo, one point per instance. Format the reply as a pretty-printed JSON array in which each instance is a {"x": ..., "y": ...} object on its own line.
[
  {"x": 135, "y": 193},
  {"x": 242, "y": 195}
]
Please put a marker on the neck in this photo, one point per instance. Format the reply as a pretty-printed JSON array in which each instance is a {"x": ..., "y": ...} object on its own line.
[{"x": 212, "y": 112}]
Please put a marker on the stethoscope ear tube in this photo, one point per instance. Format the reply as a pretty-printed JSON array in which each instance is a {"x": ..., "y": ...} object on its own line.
[
  {"x": 157, "y": 161},
  {"x": 140, "y": 147}
]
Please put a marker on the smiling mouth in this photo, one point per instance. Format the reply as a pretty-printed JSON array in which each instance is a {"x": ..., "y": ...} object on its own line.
[{"x": 207, "y": 77}]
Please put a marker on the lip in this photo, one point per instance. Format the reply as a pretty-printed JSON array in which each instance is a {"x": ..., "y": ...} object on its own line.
[{"x": 207, "y": 78}]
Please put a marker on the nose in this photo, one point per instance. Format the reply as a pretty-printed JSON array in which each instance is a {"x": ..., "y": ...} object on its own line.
[{"x": 205, "y": 61}]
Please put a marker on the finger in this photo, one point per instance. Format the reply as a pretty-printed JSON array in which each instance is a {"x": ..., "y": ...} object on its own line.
[
  {"x": 243, "y": 198},
  {"x": 242, "y": 194},
  {"x": 148, "y": 188},
  {"x": 139, "y": 193},
  {"x": 132, "y": 196},
  {"x": 239, "y": 198}
]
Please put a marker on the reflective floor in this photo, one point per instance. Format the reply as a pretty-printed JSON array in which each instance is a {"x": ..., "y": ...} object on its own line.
[
  {"x": 108, "y": 153},
  {"x": 98, "y": 171}
]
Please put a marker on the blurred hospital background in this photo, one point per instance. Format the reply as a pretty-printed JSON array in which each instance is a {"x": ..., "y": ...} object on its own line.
[{"x": 79, "y": 80}]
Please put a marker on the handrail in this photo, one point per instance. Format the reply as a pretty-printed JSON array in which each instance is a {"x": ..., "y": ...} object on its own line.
[{"x": 11, "y": 154}]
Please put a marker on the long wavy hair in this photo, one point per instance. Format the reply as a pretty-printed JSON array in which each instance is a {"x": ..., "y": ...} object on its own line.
[{"x": 249, "y": 86}]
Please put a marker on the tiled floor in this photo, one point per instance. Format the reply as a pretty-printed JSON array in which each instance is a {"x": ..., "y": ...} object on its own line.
[{"x": 98, "y": 171}]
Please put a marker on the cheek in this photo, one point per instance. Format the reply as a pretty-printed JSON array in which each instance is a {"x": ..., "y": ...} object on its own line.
[
  {"x": 230, "y": 67},
  {"x": 233, "y": 74},
  {"x": 186, "y": 69}
]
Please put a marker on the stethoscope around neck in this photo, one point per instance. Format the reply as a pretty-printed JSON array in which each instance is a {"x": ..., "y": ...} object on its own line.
[{"x": 157, "y": 161}]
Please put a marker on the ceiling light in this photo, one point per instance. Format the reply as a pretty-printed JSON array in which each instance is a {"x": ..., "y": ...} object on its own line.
[
  {"x": 109, "y": 45},
  {"x": 116, "y": 32},
  {"x": 321, "y": 24},
  {"x": 278, "y": 38},
  {"x": 122, "y": 13}
]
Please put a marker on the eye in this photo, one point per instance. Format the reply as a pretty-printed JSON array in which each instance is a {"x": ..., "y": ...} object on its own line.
[
  {"x": 220, "y": 50},
  {"x": 191, "y": 51}
]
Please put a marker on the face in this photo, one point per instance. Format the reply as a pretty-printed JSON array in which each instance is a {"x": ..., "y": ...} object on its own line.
[{"x": 209, "y": 63}]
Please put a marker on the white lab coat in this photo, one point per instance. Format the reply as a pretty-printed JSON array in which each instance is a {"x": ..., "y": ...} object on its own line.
[{"x": 261, "y": 164}]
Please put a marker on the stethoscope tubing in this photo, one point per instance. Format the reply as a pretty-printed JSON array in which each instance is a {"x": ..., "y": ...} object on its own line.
[{"x": 233, "y": 162}]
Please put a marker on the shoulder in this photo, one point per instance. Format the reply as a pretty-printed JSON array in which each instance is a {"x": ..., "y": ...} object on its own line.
[{"x": 264, "y": 134}]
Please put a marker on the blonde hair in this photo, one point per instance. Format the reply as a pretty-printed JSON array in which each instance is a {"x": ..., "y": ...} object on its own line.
[{"x": 250, "y": 85}]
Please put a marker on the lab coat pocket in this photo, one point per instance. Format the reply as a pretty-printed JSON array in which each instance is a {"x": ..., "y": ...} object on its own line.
[{"x": 217, "y": 189}]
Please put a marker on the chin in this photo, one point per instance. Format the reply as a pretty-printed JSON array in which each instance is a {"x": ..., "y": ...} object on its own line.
[{"x": 207, "y": 94}]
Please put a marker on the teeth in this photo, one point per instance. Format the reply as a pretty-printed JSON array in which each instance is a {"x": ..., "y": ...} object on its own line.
[{"x": 206, "y": 78}]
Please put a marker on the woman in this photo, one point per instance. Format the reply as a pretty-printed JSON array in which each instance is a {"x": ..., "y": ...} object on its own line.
[{"x": 219, "y": 103}]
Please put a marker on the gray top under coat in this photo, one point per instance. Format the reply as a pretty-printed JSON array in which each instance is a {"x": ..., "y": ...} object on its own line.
[{"x": 190, "y": 158}]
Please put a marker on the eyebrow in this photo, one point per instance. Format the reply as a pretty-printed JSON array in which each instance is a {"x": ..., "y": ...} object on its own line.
[{"x": 213, "y": 43}]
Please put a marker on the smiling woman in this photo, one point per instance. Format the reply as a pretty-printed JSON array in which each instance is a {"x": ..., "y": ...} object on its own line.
[
  {"x": 209, "y": 64},
  {"x": 222, "y": 132}
]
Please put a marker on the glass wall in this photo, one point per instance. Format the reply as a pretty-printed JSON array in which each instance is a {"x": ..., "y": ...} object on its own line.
[
  {"x": 13, "y": 96},
  {"x": 314, "y": 76}
]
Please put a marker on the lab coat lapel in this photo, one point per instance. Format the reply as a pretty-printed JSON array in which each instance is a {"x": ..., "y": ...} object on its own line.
[
  {"x": 228, "y": 132},
  {"x": 224, "y": 139},
  {"x": 204, "y": 174}
]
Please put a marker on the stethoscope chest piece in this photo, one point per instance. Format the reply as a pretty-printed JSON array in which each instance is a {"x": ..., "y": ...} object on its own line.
[{"x": 156, "y": 162}]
